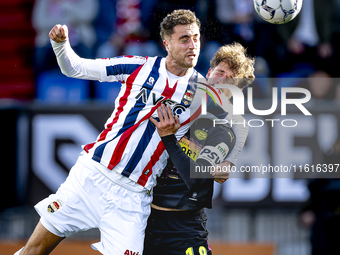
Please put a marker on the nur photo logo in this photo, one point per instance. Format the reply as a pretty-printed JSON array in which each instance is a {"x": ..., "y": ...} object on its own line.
[{"x": 238, "y": 106}]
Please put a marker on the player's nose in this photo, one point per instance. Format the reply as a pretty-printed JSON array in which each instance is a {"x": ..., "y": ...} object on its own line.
[{"x": 193, "y": 44}]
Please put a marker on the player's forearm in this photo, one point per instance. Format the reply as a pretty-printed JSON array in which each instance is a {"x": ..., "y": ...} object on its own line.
[
  {"x": 74, "y": 66},
  {"x": 180, "y": 160}
]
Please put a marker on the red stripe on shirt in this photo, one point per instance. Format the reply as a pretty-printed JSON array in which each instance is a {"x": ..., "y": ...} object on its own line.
[
  {"x": 122, "y": 102},
  {"x": 89, "y": 146},
  {"x": 168, "y": 92},
  {"x": 143, "y": 179},
  {"x": 125, "y": 137}
]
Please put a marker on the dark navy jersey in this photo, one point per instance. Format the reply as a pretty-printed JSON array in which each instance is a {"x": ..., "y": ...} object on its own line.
[{"x": 176, "y": 188}]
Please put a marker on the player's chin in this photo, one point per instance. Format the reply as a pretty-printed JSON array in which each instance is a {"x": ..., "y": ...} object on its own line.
[{"x": 191, "y": 63}]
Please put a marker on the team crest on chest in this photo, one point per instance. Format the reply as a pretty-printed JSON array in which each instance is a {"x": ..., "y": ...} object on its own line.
[
  {"x": 188, "y": 97},
  {"x": 54, "y": 206}
]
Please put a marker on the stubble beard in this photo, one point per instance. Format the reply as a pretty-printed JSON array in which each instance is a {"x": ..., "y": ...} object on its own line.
[{"x": 181, "y": 62}]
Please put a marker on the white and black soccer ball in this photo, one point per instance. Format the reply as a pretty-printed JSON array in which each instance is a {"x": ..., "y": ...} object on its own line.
[{"x": 278, "y": 11}]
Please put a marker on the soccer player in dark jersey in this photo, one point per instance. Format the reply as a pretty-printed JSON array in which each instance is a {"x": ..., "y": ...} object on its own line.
[{"x": 177, "y": 224}]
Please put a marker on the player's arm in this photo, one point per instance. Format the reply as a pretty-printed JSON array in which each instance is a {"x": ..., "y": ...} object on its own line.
[
  {"x": 91, "y": 69},
  {"x": 239, "y": 126},
  {"x": 210, "y": 155},
  {"x": 241, "y": 129},
  {"x": 69, "y": 62}
]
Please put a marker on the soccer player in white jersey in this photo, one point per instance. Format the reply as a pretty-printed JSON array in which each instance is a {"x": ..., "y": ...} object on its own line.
[{"x": 109, "y": 186}]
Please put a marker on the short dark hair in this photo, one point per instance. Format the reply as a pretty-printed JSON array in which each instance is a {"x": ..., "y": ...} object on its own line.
[{"x": 177, "y": 17}]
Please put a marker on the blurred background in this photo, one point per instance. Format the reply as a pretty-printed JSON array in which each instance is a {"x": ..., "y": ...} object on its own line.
[{"x": 46, "y": 117}]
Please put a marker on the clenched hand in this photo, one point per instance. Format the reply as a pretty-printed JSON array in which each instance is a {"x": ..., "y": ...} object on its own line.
[{"x": 59, "y": 33}]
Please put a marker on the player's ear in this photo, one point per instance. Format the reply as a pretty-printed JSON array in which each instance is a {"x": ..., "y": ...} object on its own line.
[
  {"x": 209, "y": 72},
  {"x": 166, "y": 44}
]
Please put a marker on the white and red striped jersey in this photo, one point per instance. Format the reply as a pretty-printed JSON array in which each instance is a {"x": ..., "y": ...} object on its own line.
[{"x": 130, "y": 143}]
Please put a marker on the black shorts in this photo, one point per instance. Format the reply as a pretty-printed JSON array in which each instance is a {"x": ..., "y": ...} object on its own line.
[{"x": 172, "y": 233}]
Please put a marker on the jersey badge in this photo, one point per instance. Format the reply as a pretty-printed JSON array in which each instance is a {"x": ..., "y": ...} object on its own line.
[
  {"x": 54, "y": 206},
  {"x": 188, "y": 97},
  {"x": 200, "y": 134}
]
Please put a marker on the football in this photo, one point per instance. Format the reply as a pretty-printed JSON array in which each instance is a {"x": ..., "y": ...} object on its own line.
[{"x": 278, "y": 11}]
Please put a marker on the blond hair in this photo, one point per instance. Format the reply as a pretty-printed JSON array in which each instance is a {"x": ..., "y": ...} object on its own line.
[
  {"x": 177, "y": 17},
  {"x": 239, "y": 63}
]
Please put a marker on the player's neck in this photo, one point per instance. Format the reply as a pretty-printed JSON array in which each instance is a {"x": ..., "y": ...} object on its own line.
[{"x": 175, "y": 69}]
